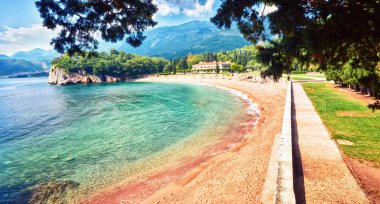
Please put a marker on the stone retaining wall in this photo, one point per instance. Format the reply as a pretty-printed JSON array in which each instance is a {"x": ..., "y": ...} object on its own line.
[{"x": 278, "y": 186}]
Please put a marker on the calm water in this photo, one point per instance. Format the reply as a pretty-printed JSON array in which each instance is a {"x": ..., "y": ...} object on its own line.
[{"x": 94, "y": 135}]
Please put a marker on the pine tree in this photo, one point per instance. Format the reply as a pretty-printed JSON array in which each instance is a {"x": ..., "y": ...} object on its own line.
[{"x": 80, "y": 20}]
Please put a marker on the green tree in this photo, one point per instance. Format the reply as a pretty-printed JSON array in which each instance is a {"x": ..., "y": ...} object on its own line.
[
  {"x": 194, "y": 59},
  {"x": 183, "y": 64},
  {"x": 323, "y": 34},
  {"x": 113, "y": 64},
  {"x": 237, "y": 68},
  {"x": 217, "y": 65},
  {"x": 80, "y": 20}
]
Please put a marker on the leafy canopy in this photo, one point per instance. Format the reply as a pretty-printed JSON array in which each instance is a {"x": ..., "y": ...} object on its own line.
[
  {"x": 116, "y": 63},
  {"x": 80, "y": 20},
  {"x": 340, "y": 37},
  {"x": 322, "y": 32}
]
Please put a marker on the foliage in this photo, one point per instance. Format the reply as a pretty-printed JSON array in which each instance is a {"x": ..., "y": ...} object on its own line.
[
  {"x": 356, "y": 77},
  {"x": 246, "y": 56},
  {"x": 366, "y": 139},
  {"x": 341, "y": 38},
  {"x": 217, "y": 70},
  {"x": 237, "y": 68},
  {"x": 374, "y": 106},
  {"x": 121, "y": 63},
  {"x": 117, "y": 63},
  {"x": 80, "y": 20}
]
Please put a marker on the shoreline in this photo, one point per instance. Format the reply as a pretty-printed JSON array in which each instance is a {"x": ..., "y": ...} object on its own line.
[{"x": 186, "y": 172}]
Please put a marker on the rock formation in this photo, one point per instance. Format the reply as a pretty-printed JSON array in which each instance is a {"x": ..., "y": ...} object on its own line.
[{"x": 60, "y": 77}]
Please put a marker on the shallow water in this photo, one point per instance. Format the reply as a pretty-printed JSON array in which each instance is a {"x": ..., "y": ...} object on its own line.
[{"x": 97, "y": 135}]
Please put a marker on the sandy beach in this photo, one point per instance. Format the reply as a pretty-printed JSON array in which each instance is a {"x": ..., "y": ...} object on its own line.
[{"x": 234, "y": 176}]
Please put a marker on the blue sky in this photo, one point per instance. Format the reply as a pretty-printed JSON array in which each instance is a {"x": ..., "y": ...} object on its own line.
[{"x": 21, "y": 28}]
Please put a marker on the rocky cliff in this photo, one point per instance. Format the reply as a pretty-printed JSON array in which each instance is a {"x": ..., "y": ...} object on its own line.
[{"x": 60, "y": 77}]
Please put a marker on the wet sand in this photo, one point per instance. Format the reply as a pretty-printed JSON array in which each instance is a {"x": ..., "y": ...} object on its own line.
[{"x": 223, "y": 173}]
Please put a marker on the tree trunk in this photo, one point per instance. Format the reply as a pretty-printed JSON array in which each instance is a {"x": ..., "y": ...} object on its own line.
[
  {"x": 357, "y": 88},
  {"x": 371, "y": 92},
  {"x": 362, "y": 89}
]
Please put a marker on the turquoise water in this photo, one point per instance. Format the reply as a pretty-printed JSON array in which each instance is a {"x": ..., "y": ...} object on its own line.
[{"x": 95, "y": 135}]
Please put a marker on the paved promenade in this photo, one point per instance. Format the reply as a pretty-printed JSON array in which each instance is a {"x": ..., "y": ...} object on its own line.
[{"x": 321, "y": 175}]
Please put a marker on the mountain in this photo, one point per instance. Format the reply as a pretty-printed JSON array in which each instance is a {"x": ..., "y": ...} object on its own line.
[
  {"x": 3, "y": 56},
  {"x": 26, "y": 61},
  {"x": 37, "y": 54},
  {"x": 192, "y": 37},
  {"x": 12, "y": 66}
]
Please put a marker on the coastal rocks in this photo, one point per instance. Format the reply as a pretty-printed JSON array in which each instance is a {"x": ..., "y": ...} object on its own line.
[
  {"x": 51, "y": 192},
  {"x": 60, "y": 77}
]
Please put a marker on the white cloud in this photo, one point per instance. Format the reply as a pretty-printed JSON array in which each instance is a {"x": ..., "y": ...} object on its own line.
[
  {"x": 165, "y": 9},
  {"x": 192, "y": 8},
  {"x": 200, "y": 10},
  {"x": 25, "y": 38},
  {"x": 268, "y": 9}
]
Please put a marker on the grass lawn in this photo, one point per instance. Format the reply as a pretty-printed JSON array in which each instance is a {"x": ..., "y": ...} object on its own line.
[
  {"x": 303, "y": 77},
  {"x": 310, "y": 75},
  {"x": 298, "y": 78},
  {"x": 347, "y": 119}
]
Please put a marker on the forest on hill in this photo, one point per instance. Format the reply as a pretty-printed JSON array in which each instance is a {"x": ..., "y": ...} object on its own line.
[{"x": 120, "y": 63}]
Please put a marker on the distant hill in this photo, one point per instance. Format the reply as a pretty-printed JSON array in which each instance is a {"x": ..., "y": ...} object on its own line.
[
  {"x": 37, "y": 54},
  {"x": 3, "y": 56},
  {"x": 192, "y": 37},
  {"x": 12, "y": 66}
]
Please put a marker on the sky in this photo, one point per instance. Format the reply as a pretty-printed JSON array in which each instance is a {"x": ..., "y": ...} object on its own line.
[{"x": 21, "y": 26}]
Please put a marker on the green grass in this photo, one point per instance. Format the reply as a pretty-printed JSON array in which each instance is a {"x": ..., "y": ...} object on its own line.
[
  {"x": 310, "y": 75},
  {"x": 297, "y": 78},
  {"x": 347, "y": 119},
  {"x": 303, "y": 77}
]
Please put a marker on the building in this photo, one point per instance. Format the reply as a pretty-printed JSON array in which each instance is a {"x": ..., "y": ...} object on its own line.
[{"x": 210, "y": 67}]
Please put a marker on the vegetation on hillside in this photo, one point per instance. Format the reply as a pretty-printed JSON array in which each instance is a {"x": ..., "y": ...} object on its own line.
[
  {"x": 119, "y": 63},
  {"x": 116, "y": 63},
  {"x": 343, "y": 117},
  {"x": 245, "y": 58}
]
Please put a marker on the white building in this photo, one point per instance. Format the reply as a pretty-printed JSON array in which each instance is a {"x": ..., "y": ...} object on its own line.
[{"x": 210, "y": 67}]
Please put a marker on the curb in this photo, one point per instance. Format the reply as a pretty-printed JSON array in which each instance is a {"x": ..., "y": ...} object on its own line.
[{"x": 278, "y": 186}]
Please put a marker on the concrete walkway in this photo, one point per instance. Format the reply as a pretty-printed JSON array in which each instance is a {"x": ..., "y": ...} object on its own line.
[{"x": 320, "y": 174}]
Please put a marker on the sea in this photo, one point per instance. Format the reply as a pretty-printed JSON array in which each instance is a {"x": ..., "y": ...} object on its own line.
[{"x": 67, "y": 143}]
